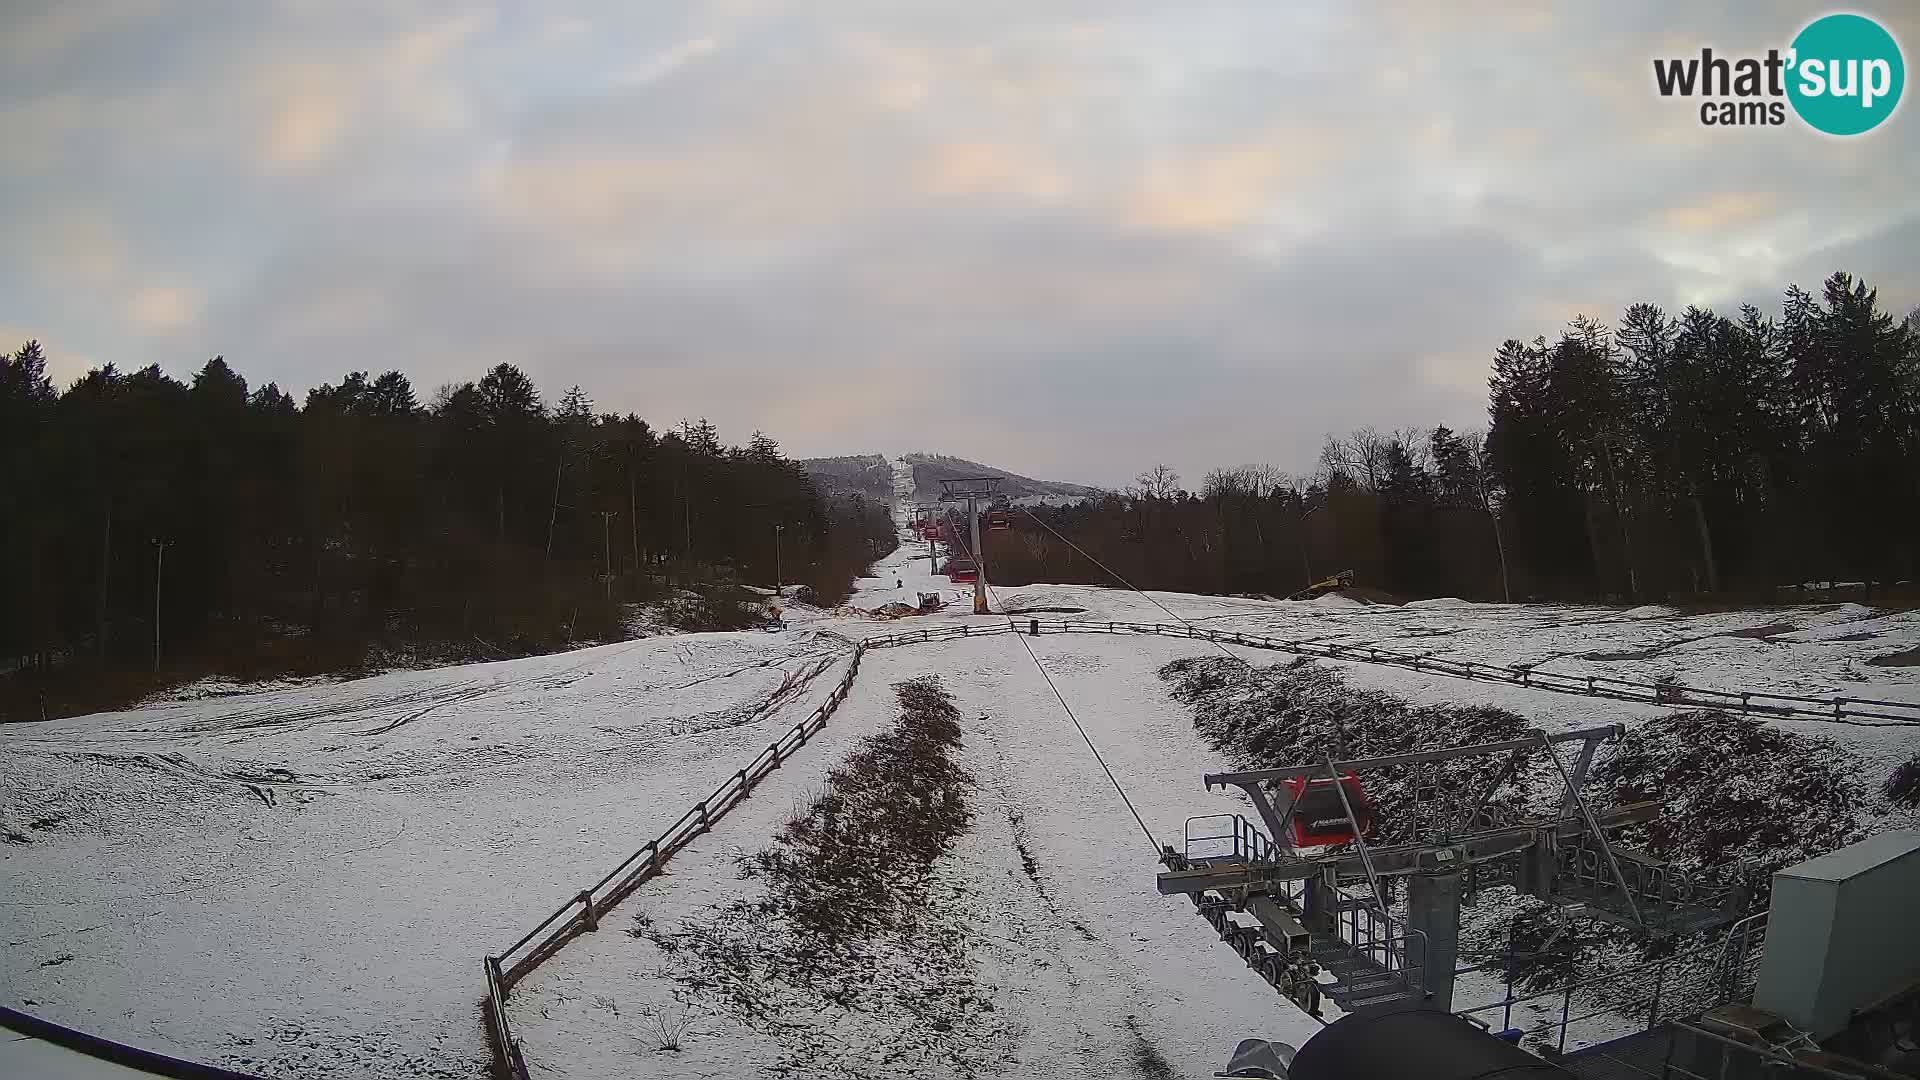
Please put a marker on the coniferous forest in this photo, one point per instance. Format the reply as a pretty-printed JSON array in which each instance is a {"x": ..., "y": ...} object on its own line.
[
  {"x": 155, "y": 530},
  {"x": 1670, "y": 456},
  {"x": 253, "y": 534}
]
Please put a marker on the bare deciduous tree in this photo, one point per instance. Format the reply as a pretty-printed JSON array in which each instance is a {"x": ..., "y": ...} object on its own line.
[{"x": 1159, "y": 482}]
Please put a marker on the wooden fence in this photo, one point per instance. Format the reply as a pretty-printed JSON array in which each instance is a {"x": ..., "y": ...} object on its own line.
[{"x": 582, "y": 913}]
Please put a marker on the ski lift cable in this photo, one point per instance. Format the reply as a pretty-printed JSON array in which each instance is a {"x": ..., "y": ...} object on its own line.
[
  {"x": 1221, "y": 645},
  {"x": 1378, "y": 899},
  {"x": 1062, "y": 699}
]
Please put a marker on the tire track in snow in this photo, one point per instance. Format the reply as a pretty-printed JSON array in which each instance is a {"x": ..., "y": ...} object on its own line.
[{"x": 1070, "y": 944}]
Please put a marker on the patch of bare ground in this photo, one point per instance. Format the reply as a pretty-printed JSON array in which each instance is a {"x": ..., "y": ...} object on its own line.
[
  {"x": 1755, "y": 633},
  {"x": 1903, "y": 783},
  {"x": 855, "y": 948}
]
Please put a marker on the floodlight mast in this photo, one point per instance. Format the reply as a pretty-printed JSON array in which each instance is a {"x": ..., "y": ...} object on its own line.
[{"x": 973, "y": 489}]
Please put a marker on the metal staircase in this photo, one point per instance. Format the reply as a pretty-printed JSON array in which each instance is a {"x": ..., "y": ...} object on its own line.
[
  {"x": 1355, "y": 958},
  {"x": 1369, "y": 962}
]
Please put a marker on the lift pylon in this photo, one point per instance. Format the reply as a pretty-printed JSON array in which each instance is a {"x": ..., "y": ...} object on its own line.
[
  {"x": 973, "y": 490},
  {"x": 1231, "y": 867}
]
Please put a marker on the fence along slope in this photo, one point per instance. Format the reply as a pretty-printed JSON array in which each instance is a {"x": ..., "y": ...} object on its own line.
[{"x": 583, "y": 912}]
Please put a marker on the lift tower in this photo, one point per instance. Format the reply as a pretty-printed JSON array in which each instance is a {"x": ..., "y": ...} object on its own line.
[
  {"x": 1311, "y": 880},
  {"x": 974, "y": 490}
]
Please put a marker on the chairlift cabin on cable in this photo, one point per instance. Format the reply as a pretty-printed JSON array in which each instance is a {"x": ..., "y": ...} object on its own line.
[
  {"x": 999, "y": 519},
  {"x": 1320, "y": 817},
  {"x": 961, "y": 570}
]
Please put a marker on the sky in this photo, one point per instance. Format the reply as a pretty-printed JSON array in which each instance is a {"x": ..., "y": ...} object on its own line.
[{"x": 1071, "y": 238}]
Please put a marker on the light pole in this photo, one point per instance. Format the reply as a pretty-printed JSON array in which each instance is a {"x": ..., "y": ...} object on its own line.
[
  {"x": 778, "y": 528},
  {"x": 606, "y": 546},
  {"x": 1499, "y": 542},
  {"x": 159, "y": 564},
  {"x": 1305, "y": 562}
]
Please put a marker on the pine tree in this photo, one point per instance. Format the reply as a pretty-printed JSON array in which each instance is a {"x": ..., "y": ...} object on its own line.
[{"x": 390, "y": 395}]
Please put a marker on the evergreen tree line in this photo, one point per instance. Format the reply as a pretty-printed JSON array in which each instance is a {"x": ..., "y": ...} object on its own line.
[
  {"x": 1670, "y": 456},
  {"x": 254, "y": 534}
]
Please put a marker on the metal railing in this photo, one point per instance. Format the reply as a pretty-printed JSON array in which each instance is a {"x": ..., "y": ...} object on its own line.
[
  {"x": 582, "y": 913},
  {"x": 1690, "y": 1051},
  {"x": 1398, "y": 950},
  {"x": 1640, "y": 997},
  {"x": 1655, "y": 884},
  {"x": 1867, "y": 712},
  {"x": 1232, "y": 839}
]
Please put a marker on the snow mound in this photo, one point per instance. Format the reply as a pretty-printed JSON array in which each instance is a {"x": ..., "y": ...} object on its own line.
[
  {"x": 1733, "y": 788},
  {"x": 1335, "y": 600},
  {"x": 1648, "y": 611},
  {"x": 1441, "y": 602},
  {"x": 1856, "y": 628},
  {"x": 215, "y": 686}
]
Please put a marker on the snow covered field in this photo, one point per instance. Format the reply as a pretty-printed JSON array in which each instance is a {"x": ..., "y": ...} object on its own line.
[
  {"x": 1087, "y": 964},
  {"x": 301, "y": 882}
]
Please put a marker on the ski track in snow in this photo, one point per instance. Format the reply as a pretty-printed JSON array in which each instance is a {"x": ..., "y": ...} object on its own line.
[{"x": 301, "y": 882}]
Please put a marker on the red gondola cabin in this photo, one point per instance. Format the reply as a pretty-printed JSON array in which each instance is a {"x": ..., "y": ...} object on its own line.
[
  {"x": 1319, "y": 818},
  {"x": 999, "y": 519}
]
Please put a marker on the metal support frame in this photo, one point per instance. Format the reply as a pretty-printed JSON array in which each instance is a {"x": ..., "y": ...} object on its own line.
[
  {"x": 1359, "y": 841},
  {"x": 1399, "y": 859},
  {"x": 1433, "y": 910},
  {"x": 1291, "y": 891},
  {"x": 1260, "y": 789},
  {"x": 1579, "y": 777},
  {"x": 1514, "y": 758},
  {"x": 1275, "y": 818},
  {"x": 1586, "y": 813},
  {"x": 972, "y": 489}
]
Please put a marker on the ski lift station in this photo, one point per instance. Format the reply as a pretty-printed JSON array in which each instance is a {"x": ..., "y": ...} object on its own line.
[{"x": 1820, "y": 980}]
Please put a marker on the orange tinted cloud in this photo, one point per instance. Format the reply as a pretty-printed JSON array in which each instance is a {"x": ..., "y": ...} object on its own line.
[
  {"x": 973, "y": 168},
  {"x": 163, "y": 308},
  {"x": 1722, "y": 210},
  {"x": 1228, "y": 186}
]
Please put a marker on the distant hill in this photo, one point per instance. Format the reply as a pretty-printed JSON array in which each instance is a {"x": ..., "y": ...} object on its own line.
[
  {"x": 868, "y": 474},
  {"x": 930, "y": 469}
]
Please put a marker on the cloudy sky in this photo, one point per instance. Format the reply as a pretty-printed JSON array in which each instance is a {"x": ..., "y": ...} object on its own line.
[{"x": 1068, "y": 237}]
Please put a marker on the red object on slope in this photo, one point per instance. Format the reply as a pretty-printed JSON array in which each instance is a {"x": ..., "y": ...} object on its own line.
[{"x": 1318, "y": 816}]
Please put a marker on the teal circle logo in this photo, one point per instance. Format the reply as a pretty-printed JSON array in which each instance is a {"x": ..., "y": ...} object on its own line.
[{"x": 1846, "y": 74}]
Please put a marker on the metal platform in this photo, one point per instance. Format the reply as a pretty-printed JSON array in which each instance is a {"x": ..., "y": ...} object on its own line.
[{"x": 1316, "y": 921}]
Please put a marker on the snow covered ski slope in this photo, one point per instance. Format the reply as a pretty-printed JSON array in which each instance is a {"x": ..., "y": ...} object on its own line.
[{"x": 300, "y": 882}]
